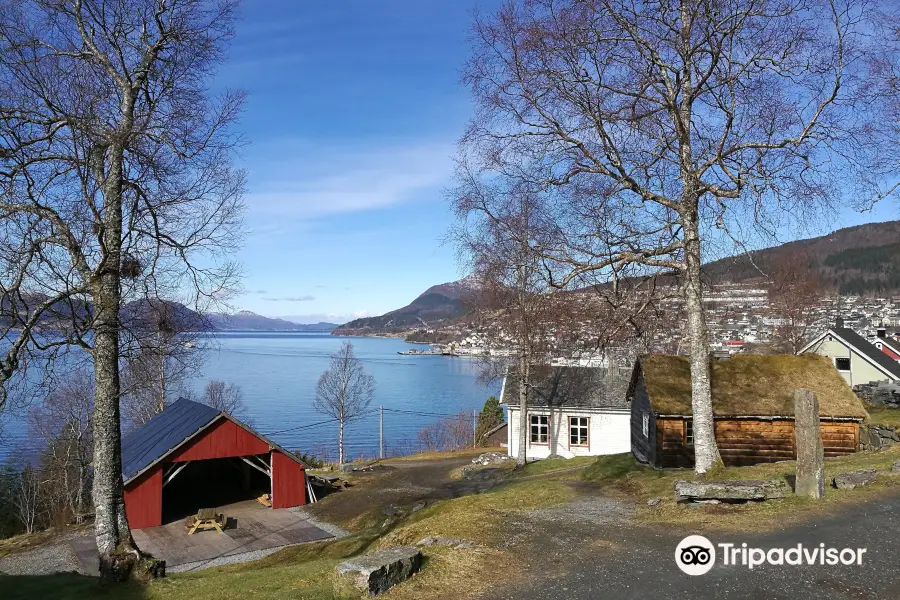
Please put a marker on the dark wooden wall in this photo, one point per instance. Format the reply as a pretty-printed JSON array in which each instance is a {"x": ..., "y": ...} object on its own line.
[
  {"x": 750, "y": 441},
  {"x": 643, "y": 448},
  {"x": 143, "y": 500},
  {"x": 288, "y": 482},
  {"x": 496, "y": 439}
]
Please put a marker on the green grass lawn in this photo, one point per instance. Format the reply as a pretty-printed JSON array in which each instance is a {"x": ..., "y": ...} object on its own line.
[
  {"x": 306, "y": 572},
  {"x": 620, "y": 475},
  {"x": 882, "y": 416}
]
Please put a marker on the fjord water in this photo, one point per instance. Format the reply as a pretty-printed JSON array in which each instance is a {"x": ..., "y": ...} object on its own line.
[{"x": 277, "y": 373}]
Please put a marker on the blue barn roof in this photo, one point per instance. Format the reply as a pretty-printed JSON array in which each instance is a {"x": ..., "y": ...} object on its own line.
[{"x": 163, "y": 433}]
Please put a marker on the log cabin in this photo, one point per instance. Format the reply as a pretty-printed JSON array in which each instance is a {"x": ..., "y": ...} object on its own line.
[{"x": 753, "y": 408}]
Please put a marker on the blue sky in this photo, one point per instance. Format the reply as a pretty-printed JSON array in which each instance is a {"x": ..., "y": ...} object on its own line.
[{"x": 354, "y": 111}]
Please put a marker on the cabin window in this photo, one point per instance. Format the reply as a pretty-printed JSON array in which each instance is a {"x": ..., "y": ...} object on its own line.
[
  {"x": 578, "y": 431},
  {"x": 645, "y": 424},
  {"x": 540, "y": 429},
  {"x": 842, "y": 363},
  {"x": 689, "y": 432}
]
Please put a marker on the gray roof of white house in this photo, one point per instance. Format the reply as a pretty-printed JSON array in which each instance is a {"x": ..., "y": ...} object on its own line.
[
  {"x": 866, "y": 348},
  {"x": 567, "y": 387}
]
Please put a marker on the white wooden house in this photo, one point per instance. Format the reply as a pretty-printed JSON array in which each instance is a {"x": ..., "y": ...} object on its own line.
[
  {"x": 572, "y": 411},
  {"x": 856, "y": 359}
]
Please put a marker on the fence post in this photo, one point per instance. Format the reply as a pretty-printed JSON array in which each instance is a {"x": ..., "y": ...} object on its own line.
[
  {"x": 474, "y": 428},
  {"x": 381, "y": 432}
]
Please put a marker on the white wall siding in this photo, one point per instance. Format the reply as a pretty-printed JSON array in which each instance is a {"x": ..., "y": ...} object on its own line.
[{"x": 609, "y": 433}]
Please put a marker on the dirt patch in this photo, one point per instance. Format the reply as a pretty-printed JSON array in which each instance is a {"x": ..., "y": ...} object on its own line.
[{"x": 401, "y": 483}]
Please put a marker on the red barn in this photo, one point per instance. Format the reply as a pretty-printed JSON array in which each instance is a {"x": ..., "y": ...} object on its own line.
[{"x": 191, "y": 456}]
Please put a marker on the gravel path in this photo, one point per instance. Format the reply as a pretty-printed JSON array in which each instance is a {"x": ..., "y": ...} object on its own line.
[
  {"x": 637, "y": 562},
  {"x": 58, "y": 557}
]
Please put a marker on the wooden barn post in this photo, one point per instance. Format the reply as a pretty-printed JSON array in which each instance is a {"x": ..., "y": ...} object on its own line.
[{"x": 808, "y": 443}]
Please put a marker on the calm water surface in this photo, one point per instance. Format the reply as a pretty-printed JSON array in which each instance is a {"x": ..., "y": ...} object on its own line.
[{"x": 277, "y": 373}]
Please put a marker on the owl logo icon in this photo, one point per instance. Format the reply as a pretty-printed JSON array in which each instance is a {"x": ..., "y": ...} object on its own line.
[{"x": 695, "y": 555}]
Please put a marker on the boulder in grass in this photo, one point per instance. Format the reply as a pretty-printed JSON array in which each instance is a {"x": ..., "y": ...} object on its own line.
[
  {"x": 379, "y": 571},
  {"x": 491, "y": 458},
  {"x": 854, "y": 479},
  {"x": 731, "y": 491}
]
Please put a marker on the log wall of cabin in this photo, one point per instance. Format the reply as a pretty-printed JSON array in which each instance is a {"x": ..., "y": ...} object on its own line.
[{"x": 750, "y": 441}]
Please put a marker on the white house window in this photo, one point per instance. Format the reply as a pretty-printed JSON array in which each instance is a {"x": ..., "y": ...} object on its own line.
[
  {"x": 689, "y": 432},
  {"x": 540, "y": 429},
  {"x": 578, "y": 431},
  {"x": 645, "y": 424},
  {"x": 842, "y": 363}
]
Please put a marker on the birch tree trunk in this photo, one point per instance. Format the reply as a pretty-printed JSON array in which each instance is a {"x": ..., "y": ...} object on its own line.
[
  {"x": 111, "y": 524},
  {"x": 706, "y": 452},
  {"x": 522, "y": 457},
  {"x": 341, "y": 443}
]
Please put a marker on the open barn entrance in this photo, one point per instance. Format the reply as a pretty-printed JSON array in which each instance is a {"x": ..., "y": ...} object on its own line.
[{"x": 212, "y": 483}]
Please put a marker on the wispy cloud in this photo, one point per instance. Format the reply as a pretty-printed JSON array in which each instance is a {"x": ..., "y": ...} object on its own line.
[
  {"x": 291, "y": 299},
  {"x": 317, "y": 181}
]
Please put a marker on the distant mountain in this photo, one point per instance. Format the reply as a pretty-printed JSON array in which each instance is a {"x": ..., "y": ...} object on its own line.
[
  {"x": 432, "y": 308},
  {"x": 860, "y": 260},
  {"x": 146, "y": 314},
  {"x": 249, "y": 321}
]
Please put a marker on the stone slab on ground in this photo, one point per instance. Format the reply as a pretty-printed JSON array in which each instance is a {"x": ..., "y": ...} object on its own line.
[
  {"x": 377, "y": 572},
  {"x": 456, "y": 543},
  {"x": 854, "y": 479},
  {"x": 731, "y": 491},
  {"x": 491, "y": 458}
]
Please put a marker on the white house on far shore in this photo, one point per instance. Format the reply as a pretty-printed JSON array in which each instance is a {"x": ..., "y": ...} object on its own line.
[{"x": 572, "y": 411}]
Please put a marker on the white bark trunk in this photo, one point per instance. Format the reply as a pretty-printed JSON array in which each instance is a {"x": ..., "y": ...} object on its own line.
[
  {"x": 706, "y": 452},
  {"x": 522, "y": 457},
  {"x": 110, "y": 524},
  {"x": 341, "y": 442}
]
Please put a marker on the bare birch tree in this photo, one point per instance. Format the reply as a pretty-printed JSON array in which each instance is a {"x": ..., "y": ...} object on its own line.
[
  {"x": 344, "y": 391},
  {"x": 227, "y": 397},
  {"x": 660, "y": 128},
  {"x": 500, "y": 234},
  {"x": 795, "y": 292},
  {"x": 115, "y": 184},
  {"x": 164, "y": 353},
  {"x": 62, "y": 423}
]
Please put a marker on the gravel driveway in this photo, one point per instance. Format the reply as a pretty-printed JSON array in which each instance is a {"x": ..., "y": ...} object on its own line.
[
  {"x": 44, "y": 560},
  {"x": 621, "y": 562}
]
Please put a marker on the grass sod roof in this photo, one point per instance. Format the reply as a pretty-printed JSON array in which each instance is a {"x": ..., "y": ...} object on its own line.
[{"x": 751, "y": 385}]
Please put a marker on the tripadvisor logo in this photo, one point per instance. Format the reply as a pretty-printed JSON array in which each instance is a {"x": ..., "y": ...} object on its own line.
[{"x": 696, "y": 555}]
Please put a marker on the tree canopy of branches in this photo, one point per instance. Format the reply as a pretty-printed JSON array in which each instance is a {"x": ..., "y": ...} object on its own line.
[
  {"x": 344, "y": 391},
  {"x": 226, "y": 397},
  {"x": 654, "y": 130},
  {"x": 501, "y": 234},
  {"x": 62, "y": 423},
  {"x": 795, "y": 292},
  {"x": 116, "y": 185}
]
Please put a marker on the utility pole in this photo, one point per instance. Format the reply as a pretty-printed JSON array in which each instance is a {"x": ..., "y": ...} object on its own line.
[{"x": 381, "y": 432}]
